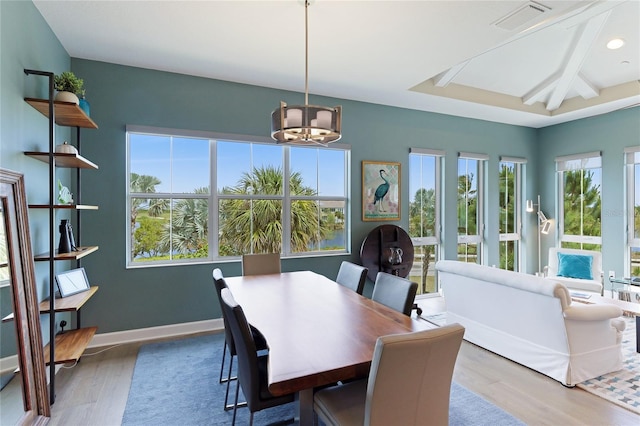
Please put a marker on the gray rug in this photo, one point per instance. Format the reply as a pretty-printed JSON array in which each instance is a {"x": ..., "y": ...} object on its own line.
[{"x": 176, "y": 383}]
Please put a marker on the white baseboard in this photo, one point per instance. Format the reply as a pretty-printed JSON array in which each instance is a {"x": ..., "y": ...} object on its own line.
[{"x": 150, "y": 333}]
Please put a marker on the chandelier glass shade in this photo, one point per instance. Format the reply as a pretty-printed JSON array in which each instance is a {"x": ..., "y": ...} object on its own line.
[{"x": 306, "y": 124}]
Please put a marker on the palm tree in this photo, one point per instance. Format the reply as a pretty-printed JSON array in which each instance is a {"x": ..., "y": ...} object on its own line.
[
  {"x": 467, "y": 215},
  {"x": 422, "y": 222},
  {"x": 255, "y": 226},
  {"x": 467, "y": 205},
  {"x": 507, "y": 215},
  {"x": 422, "y": 213},
  {"x": 582, "y": 204},
  {"x": 188, "y": 230},
  {"x": 144, "y": 184}
]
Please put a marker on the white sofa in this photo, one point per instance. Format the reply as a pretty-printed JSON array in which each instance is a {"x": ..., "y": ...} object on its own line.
[
  {"x": 592, "y": 285},
  {"x": 532, "y": 321}
]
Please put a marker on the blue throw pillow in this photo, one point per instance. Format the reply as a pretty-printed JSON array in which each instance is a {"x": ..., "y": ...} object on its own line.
[{"x": 575, "y": 266}]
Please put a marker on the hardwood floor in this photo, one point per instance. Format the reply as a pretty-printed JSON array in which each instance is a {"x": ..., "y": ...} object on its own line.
[{"x": 95, "y": 391}]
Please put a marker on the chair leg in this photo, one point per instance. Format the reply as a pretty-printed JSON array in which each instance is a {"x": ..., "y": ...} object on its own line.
[
  {"x": 224, "y": 355},
  {"x": 229, "y": 379},
  {"x": 226, "y": 395},
  {"x": 225, "y": 379},
  {"x": 251, "y": 419},
  {"x": 235, "y": 405}
]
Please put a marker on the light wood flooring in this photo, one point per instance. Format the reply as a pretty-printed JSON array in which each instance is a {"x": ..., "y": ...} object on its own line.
[{"x": 95, "y": 391}]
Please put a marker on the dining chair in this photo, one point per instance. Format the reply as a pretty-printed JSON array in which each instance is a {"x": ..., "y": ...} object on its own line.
[
  {"x": 409, "y": 382},
  {"x": 229, "y": 344},
  {"x": 260, "y": 263},
  {"x": 252, "y": 368},
  {"x": 395, "y": 292},
  {"x": 352, "y": 276}
]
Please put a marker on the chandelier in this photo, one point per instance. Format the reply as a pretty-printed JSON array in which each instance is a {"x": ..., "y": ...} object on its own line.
[{"x": 306, "y": 124}]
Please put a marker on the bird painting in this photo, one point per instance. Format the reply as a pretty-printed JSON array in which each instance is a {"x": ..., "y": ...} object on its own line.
[{"x": 381, "y": 192}]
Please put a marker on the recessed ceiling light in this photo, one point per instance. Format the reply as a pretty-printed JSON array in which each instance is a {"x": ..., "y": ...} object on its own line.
[{"x": 615, "y": 43}]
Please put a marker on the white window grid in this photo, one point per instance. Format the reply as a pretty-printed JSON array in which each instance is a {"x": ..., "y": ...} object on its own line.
[{"x": 213, "y": 197}]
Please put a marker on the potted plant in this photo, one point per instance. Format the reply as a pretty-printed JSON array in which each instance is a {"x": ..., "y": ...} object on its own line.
[{"x": 68, "y": 87}]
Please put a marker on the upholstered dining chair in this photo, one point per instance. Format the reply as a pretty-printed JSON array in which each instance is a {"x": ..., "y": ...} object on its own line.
[
  {"x": 261, "y": 263},
  {"x": 252, "y": 368},
  {"x": 229, "y": 344},
  {"x": 409, "y": 383},
  {"x": 352, "y": 276},
  {"x": 395, "y": 292}
]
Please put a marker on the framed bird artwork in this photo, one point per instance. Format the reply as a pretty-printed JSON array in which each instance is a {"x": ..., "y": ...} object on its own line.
[{"x": 380, "y": 190}]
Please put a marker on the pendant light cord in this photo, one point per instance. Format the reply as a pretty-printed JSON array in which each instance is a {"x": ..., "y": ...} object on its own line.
[{"x": 306, "y": 52}]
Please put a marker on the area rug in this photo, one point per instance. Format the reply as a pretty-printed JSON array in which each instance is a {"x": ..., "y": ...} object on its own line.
[
  {"x": 620, "y": 387},
  {"x": 176, "y": 383}
]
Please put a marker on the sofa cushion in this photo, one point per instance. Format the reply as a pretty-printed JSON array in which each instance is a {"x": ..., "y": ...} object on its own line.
[{"x": 575, "y": 266}]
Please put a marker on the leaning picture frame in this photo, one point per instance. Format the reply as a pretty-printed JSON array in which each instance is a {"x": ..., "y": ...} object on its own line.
[
  {"x": 72, "y": 281},
  {"x": 380, "y": 191}
]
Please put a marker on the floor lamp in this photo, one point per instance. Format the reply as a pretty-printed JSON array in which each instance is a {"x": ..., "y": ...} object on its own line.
[{"x": 544, "y": 226}]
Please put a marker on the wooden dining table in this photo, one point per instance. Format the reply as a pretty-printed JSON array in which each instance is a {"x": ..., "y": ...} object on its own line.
[{"x": 318, "y": 332}]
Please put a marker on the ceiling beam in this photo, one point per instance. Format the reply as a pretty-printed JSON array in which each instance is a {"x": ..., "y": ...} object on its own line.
[
  {"x": 541, "y": 90},
  {"x": 585, "y": 40},
  {"x": 443, "y": 79},
  {"x": 585, "y": 88}
]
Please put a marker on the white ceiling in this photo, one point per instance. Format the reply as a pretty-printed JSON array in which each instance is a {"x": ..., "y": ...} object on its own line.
[{"x": 442, "y": 56}]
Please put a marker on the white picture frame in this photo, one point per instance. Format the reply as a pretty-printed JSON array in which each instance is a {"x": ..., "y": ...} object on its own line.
[{"x": 72, "y": 282}]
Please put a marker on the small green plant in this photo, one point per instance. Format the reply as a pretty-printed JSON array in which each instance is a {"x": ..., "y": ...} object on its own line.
[{"x": 68, "y": 82}]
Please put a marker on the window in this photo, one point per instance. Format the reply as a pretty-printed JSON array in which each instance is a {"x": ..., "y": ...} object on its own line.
[
  {"x": 267, "y": 198},
  {"x": 470, "y": 206},
  {"x": 424, "y": 215},
  {"x": 510, "y": 221},
  {"x": 632, "y": 267},
  {"x": 579, "y": 189}
]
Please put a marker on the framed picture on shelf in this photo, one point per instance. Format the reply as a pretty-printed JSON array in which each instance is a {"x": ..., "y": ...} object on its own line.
[
  {"x": 380, "y": 190},
  {"x": 72, "y": 282}
]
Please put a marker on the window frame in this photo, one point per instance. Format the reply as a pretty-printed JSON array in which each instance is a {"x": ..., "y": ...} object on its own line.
[
  {"x": 479, "y": 237},
  {"x": 214, "y": 197},
  {"x": 632, "y": 161},
  {"x": 588, "y": 161},
  {"x": 436, "y": 239},
  {"x": 516, "y": 237}
]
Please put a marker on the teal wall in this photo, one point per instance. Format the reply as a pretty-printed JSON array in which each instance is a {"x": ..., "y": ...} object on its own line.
[
  {"x": 26, "y": 41},
  {"x": 120, "y": 96}
]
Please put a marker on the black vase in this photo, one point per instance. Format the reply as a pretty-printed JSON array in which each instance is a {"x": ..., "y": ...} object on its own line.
[{"x": 65, "y": 240}]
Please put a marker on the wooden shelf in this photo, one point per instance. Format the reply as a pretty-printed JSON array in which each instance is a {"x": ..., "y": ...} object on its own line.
[
  {"x": 74, "y": 255},
  {"x": 63, "y": 206},
  {"x": 63, "y": 304},
  {"x": 76, "y": 161},
  {"x": 70, "y": 345},
  {"x": 67, "y": 113},
  {"x": 69, "y": 303}
]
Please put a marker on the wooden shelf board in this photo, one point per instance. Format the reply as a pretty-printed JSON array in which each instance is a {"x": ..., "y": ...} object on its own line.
[
  {"x": 74, "y": 255},
  {"x": 69, "y": 303},
  {"x": 63, "y": 304},
  {"x": 63, "y": 159},
  {"x": 63, "y": 206},
  {"x": 67, "y": 113},
  {"x": 70, "y": 345}
]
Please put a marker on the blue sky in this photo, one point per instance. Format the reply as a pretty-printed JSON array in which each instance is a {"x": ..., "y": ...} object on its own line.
[{"x": 321, "y": 169}]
